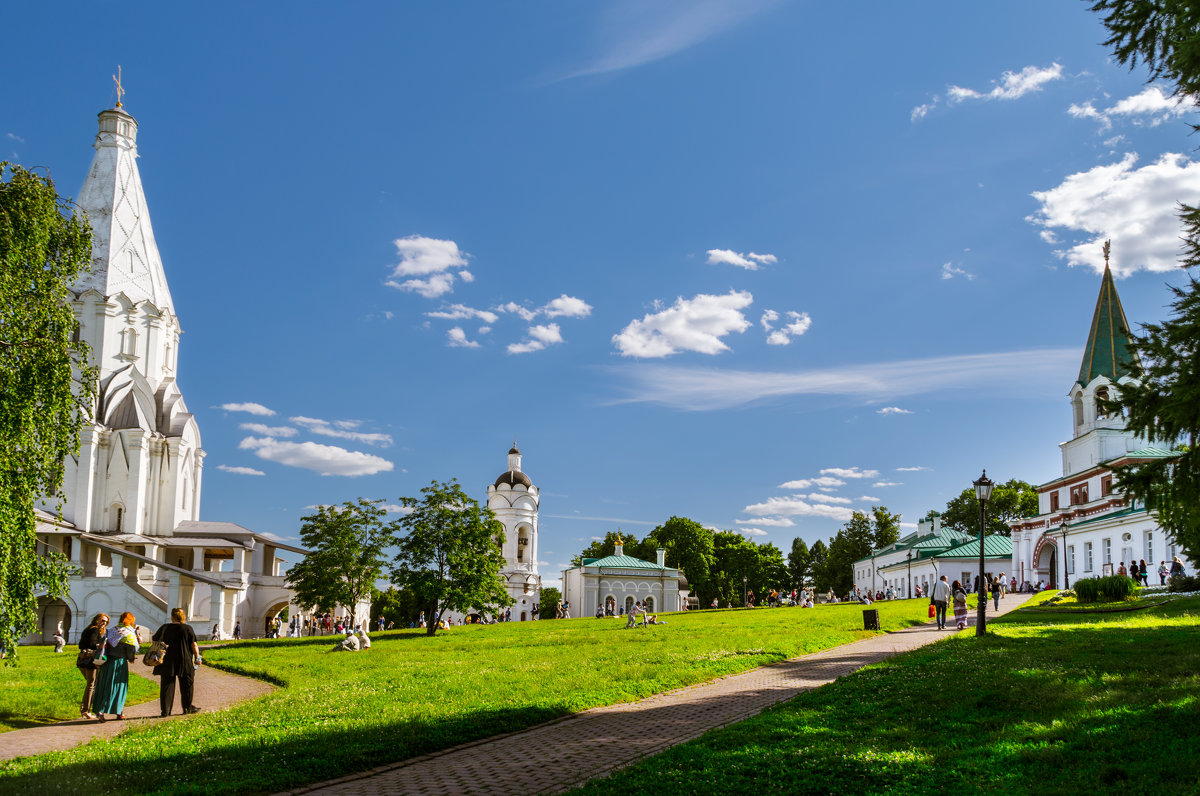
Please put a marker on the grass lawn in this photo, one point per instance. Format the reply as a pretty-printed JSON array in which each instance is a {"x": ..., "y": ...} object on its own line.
[
  {"x": 1046, "y": 704},
  {"x": 344, "y": 712},
  {"x": 44, "y": 688}
]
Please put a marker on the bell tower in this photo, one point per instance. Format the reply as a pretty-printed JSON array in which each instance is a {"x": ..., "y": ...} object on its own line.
[{"x": 515, "y": 501}]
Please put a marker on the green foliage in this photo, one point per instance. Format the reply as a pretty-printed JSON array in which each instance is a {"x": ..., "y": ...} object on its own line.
[
  {"x": 394, "y": 605},
  {"x": 854, "y": 541},
  {"x": 1184, "y": 583},
  {"x": 340, "y": 713},
  {"x": 602, "y": 548},
  {"x": 818, "y": 555},
  {"x": 1112, "y": 588},
  {"x": 689, "y": 547},
  {"x": 548, "y": 602},
  {"x": 1010, "y": 501},
  {"x": 47, "y": 387},
  {"x": 346, "y": 555},
  {"x": 47, "y": 687},
  {"x": 1161, "y": 34},
  {"x": 799, "y": 564},
  {"x": 449, "y": 553},
  {"x": 1045, "y": 704}
]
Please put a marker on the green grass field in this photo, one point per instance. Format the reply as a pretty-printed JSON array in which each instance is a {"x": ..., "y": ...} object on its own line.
[
  {"x": 45, "y": 688},
  {"x": 1046, "y": 704},
  {"x": 344, "y": 712}
]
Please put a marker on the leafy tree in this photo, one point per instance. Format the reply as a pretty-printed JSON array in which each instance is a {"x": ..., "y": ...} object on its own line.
[
  {"x": 449, "y": 552},
  {"x": 47, "y": 387},
  {"x": 601, "y": 548},
  {"x": 1010, "y": 501},
  {"x": 861, "y": 534},
  {"x": 799, "y": 563},
  {"x": 689, "y": 547},
  {"x": 548, "y": 602},
  {"x": 346, "y": 555},
  {"x": 394, "y": 605},
  {"x": 1162, "y": 35},
  {"x": 886, "y": 528}
]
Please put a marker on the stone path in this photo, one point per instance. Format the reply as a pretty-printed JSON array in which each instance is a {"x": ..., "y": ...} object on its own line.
[
  {"x": 587, "y": 745},
  {"x": 214, "y": 690}
]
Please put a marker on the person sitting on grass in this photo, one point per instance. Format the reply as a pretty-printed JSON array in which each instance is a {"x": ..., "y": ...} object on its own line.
[
  {"x": 654, "y": 620},
  {"x": 348, "y": 644},
  {"x": 364, "y": 641}
]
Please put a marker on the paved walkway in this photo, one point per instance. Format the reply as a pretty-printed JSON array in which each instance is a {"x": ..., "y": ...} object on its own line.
[
  {"x": 591, "y": 744},
  {"x": 214, "y": 690}
]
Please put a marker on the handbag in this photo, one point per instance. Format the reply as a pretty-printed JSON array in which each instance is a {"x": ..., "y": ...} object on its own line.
[
  {"x": 84, "y": 659},
  {"x": 156, "y": 654},
  {"x": 100, "y": 656}
]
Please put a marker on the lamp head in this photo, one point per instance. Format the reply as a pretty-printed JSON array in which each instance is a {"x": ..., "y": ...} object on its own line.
[{"x": 983, "y": 488}]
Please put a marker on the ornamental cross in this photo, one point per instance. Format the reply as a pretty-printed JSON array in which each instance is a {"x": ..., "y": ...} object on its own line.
[
  {"x": 1107, "y": 246},
  {"x": 120, "y": 89}
]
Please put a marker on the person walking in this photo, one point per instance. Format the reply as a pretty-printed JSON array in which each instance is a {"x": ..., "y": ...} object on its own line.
[
  {"x": 1162, "y": 573},
  {"x": 941, "y": 596},
  {"x": 959, "y": 595},
  {"x": 995, "y": 586},
  {"x": 1143, "y": 573},
  {"x": 90, "y": 643},
  {"x": 237, "y": 631},
  {"x": 112, "y": 680},
  {"x": 178, "y": 664}
]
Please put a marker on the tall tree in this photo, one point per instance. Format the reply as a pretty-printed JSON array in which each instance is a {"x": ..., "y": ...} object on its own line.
[
  {"x": 799, "y": 563},
  {"x": 449, "y": 552},
  {"x": 689, "y": 547},
  {"x": 601, "y": 548},
  {"x": 47, "y": 386},
  {"x": 818, "y": 555},
  {"x": 548, "y": 602},
  {"x": 1163, "y": 36},
  {"x": 885, "y": 527},
  {"x": 345, "y": 556},
  {"x": 1010, "y": 501}
]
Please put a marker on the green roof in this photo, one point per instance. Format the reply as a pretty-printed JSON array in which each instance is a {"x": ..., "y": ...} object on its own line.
[
  {"x": 1111, "y": 515},
  {"x": 1108, "y": 351},
  {"x": 622, "y": 562},
  {"x": 1148, "y": 453},
  {"x": 994, "y": 546}
]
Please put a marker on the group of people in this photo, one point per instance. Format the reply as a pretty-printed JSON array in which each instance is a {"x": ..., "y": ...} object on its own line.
[
  {"x": 105, "y": 654},
  {"x": 1141, "y": 575},
  {"x": 640, "y": 610}
]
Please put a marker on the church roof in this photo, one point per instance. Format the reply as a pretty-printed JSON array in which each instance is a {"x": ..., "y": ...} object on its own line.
[
  {"x": 125, "y": 258},
  {"x": 994, "y": 546},
  {"x": 513, "y": 477},
  {"x": 1109, "y": 351},
  {"x": 623, "y": 562}
]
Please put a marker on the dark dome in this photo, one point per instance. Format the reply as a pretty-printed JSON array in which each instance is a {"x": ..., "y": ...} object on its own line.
[
  {"x": 683, "y": 582},
  {"x": 513, "y": 449},
  {"x": 513, "y": 477}
]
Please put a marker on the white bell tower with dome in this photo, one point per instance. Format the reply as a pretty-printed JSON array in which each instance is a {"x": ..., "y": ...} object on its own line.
[{"x": 514, "y": 500}]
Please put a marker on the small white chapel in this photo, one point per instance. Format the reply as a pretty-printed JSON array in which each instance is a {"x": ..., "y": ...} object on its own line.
[
  {"x": 130, "y": 521},
  {"x": 515, "y": 500}
]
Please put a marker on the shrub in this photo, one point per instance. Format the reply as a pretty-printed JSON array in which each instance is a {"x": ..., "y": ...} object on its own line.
[
  {"x": 1113, "y": 588},
  {"x": 1186, "y": 583},
  {"x": 1087, "y": 589}
]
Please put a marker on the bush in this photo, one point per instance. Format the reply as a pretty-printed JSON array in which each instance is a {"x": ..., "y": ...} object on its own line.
[
  {"x": 1186, "y": 583},
  {"x": 1113, "y": 588}
]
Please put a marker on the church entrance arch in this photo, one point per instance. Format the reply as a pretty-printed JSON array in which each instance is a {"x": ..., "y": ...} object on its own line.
[
  {"x": 650, "y": 605},
  {"x": 610, "y": 605},
  {"x": 628, "y": 605},
  {"x": 1045, "y": 562}
]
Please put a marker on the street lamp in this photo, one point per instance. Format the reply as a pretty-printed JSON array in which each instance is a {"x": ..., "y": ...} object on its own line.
[
  {"x": 1062, "y": 529},
  {"x": 983, "y": 491},
  {"x": 908, "y": 555},
  {"x": 745, "y": 594}
]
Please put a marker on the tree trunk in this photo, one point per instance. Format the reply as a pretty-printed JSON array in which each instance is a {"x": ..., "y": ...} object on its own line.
[{"x": 431, "y": 622}]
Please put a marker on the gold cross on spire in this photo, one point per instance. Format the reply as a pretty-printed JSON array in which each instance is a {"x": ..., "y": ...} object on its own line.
[
  {"x": 120, "y": 89},
  {"x": 1107, "y": 247}
]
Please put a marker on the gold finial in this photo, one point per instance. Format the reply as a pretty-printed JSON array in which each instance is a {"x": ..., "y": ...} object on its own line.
[
  {"x": 120, "y": 89},
  {"x": 1107, "y": 248},
  {"x": 619, "y": 536}
]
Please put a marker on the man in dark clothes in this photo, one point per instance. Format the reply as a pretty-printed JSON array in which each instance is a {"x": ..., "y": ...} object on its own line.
[{"x": 180, "y": 661}]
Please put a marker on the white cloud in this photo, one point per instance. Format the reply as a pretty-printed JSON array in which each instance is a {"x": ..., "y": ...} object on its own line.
[
  {"x": 1151, "y": 107},
  {"x": 768, "y": 319},
  {"x": 269, "y": 431},
  {"x": 1136, "y": 208},
  {"x": 817, "y": 497},
  {"x": 774, "y": 522},
  {"x": 1012, "y": 85},
  {"x": 341, "y": 430},
  {"x": 634, "y": 33},
  {"x": 950, "y": 270},
  {"x": 881, "y": 484},
  {"x": 919, "y": 468},
  {"x": 239, "y": 470},
  {"x": 394, "y": 508},
  {"x": 753, "y": 531},
  {"x": 457, "y": 338},
  {"x": 539, "y": 338},
  {"x": 796, "y": 506},
  {"x": 868, "y": 499},
  {"x": 695, "y": 324},
  {"x": 16, "y": 138},
  {"x": 524, "y": 312},
  {"x": 893, "y": 410},
  {"x": 323, "y": 459},
  {"x": 707, "y": 388},
  {"x": 850, "y": 472},
  {"x": 458, "y": 312},
  {"x": 430, "y": 258},
  {"x": 824, "y": 482},
  {"x": 249, "y": 408},
  {"x": 567, "y": 307},
  {"x": 921, "y": 111},
  {"x": 798, "y": 323},
  {"x": 750, "y": 261}
]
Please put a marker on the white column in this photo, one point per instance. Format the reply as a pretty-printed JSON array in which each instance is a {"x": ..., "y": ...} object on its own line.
[{"x": 135, "y": 519}]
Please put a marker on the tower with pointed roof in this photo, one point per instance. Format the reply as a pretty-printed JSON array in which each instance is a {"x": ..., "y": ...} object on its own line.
[{"x": 515, "y": 501}]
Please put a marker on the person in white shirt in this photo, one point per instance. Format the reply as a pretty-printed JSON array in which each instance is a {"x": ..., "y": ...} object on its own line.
[{"x": 941, "y": 597}]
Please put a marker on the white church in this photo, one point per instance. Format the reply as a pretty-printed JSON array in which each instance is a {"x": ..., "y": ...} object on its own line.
[
  {"x": 1085, "y": 526},
  {"x": 131, "y": 517},
  {"x": 514, "y": 500}
]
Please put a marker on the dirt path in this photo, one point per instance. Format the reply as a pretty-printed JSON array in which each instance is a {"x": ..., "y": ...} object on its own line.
[
  {"x": 594, "y": 743},
  {"x": 214, "y": 690}
]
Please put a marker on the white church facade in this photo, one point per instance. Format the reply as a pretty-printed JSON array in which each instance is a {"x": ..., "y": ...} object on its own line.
[
  {"x": 613, "y": 584},
  {"x": 130, "y": 521},
  {"x": 1085, "y": 526},
  {"x": 515, "y": 501}
]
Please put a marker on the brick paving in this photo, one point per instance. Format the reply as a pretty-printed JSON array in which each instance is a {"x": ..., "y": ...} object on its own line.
[
  {"x": 214, "y": 690},
  {"x": 596, "y": 742}
]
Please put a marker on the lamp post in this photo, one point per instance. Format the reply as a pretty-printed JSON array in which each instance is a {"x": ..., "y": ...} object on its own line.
[
  {"x": 745, "y": 594},
  {"x": 983, "y": 491},
  {"x": 1062, "y": 529},
  {"x": 908, "y": 555}
]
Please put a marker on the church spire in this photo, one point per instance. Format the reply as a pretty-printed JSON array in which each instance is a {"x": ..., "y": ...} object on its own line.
[
  {"x": 125, "y": 258},
  {"x": 1109, "y": 351}
]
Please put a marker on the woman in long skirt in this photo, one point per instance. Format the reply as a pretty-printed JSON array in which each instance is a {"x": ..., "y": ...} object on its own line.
[
  {"x": 112, "y": 679},
  {"x": 959, "y": 595}
]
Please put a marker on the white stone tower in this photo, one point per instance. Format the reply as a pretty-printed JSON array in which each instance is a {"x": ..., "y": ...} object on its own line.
[
  {"x": 140, "y": 461},
  {"x": 514, "y": 500}
]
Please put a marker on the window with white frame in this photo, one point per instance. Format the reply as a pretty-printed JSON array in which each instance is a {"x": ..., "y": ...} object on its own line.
[
  {"x": 1106, "y": 550},
  {"x": 1150, "y": 546},
  {"x": 1087, "y": 556},
  {"x": 1070, "y": 559}
]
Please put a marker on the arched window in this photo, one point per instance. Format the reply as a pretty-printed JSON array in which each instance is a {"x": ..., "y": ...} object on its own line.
[
  {"x": 628, "y": 604},
  {"x": 1077, "y": 410},
  {"x": 118, "y": 517}
]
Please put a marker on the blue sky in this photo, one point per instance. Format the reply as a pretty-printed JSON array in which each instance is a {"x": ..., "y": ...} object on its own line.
[{"x": 755, "y": 263}]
